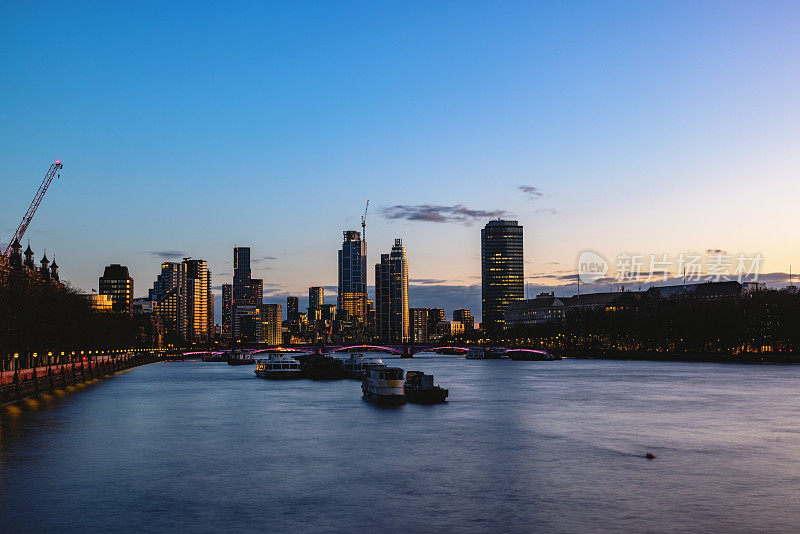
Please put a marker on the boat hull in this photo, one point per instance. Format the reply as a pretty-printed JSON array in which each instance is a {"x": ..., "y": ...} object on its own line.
[
  {"x": 278, "y": 375},
  {"x": 384, "y": 400},
  {"x": 434, "y": 395}
]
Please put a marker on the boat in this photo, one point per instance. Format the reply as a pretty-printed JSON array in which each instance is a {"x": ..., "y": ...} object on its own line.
[
  {"x": 419, "y": 388},
  {"x": 278, "y": 367},
  {"x": 532, "y": 355},
  {"x": 487, "y": 353},
  {"x": 241, "y": 358},
  {"x": 384, "y": 386},
  {"x": 357, "y": 364}
]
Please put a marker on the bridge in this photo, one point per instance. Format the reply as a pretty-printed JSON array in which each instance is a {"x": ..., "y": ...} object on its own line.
[{"x": 402, "y": 350}]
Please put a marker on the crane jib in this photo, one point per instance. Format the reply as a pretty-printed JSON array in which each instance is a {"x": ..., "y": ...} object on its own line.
[{"x": 37, "y": 199}]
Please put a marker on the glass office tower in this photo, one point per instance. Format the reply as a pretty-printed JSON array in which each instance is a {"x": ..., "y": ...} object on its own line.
[
  {"x": 501, "y": 271},
  {"x": 352, "y": 297}
]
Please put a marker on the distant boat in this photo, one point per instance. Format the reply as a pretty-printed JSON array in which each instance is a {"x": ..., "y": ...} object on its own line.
[
  {"x": 357, "y": 365},
  {"x": 488, "y": 353},
  {"x": 238, "y": 357},
  {"x": 419, "y": 388},
  {"x": 530, "y": 355},
  {"x": 278, "y": 367}
]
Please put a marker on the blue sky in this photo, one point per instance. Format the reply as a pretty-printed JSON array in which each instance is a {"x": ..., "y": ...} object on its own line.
[{"x": 188, "y": 127}]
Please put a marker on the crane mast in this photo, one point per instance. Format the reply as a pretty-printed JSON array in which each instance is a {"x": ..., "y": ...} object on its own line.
[
  {"x": 26, "y": 220},
  {"x": 364, "y": 223}
]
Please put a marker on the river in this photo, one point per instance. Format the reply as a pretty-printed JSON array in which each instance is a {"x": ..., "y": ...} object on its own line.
[{"x": 519, "y": 447}]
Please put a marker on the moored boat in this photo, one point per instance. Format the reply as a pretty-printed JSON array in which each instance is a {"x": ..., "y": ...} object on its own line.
[
  {"x": 384, "y": 385},
  {"x": 532, "y": 355},
  {"x": 488, "y": 353},
  {"x": 358, "y": 364},
  {"x": 278, "y": 367},
  {"x": 419, "y": 388},
  {"x": 241, "y": 358}
]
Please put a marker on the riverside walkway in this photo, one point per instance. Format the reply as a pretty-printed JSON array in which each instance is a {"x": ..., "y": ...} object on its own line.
[{"x": 21, "y": 384}]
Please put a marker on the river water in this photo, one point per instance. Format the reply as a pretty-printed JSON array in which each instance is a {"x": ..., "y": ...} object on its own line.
[{"x": 519, "y": 447}]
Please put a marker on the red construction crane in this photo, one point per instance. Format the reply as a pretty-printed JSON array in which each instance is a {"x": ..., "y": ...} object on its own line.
[{"x": 26, "y": 220}]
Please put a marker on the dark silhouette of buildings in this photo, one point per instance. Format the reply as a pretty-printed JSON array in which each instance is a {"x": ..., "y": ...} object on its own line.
[{"x": 118, "y": 284}]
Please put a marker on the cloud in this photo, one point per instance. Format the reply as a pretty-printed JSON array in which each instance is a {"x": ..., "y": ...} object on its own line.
[
  {"x": 532, "y": 192},
  {"x": 263, "y": 258},
  {"x": 548, "y": 211},
  {"x": 715, "y": 251},
  {"x": 440, "y": 214},
  {"x": 168, "y": 254},
  {"x": 427, "y": 281}
]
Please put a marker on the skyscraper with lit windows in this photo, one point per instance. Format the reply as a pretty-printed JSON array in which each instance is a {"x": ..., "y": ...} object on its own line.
[
  {"x": 391, "y": 295},
  {"x": 352, "y": 297},
  {"x": 117, "y": 283},
  {"x": 502, "y": 277}
]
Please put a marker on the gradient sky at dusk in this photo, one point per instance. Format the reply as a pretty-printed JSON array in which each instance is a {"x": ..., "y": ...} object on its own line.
[{"x": 188, "y": 127}]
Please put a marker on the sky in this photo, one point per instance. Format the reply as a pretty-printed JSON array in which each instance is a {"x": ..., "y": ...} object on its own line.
[{"x": 186, "y": 128}]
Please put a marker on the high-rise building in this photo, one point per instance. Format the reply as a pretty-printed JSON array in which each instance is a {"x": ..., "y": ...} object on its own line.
[
  {"x": 352, "y": 296},
  {"x": 169, "y": 296},
  {"x": 391, "y": 295},
  {"x": 247, "y": 323},
  {"x": 256, "y": 291},
  {"x": 292, "y": 309},
  {"x": 241, "y": 276},
  {"x": 271, "y": 322},
  {"x": 198, "y": 294},
  {"x": 435, "y": 316},
  {"x": 328, "y": 312},
  {"x": 117, "y": 283},
  {"x": 464, "y": 317},
  {"x": 502, "y": 277},
  {"x": 418, "y": 319},
  {"x": 227, "y": 310},
  {"x": 316, "y": 296}
]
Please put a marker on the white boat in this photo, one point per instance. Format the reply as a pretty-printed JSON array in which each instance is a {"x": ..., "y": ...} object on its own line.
[
  {"x": 278, "y": 366},
  {"x": 357, "y": 364},
  {"x": 385, "y": 385}
]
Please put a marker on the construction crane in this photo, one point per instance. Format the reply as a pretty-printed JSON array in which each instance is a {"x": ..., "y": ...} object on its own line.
[
  {"x": 364, "y": 223},
  {"x": 26, "y": 220}
]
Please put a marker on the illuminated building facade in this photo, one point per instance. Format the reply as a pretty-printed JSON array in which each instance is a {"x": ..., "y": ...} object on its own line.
[
  {"x": 247, "y": 323},
  {"x": 418, "y": 320},
  {"x": 271, "y": 324},
  {"x": 351, "y": 300},
  {"x": 198, "y": 295},
  {"x": 316, "y": 296},
  {"x": 502, "y": 277},
  {"x": 292, "y": 309},
  {"x": 227, "y": 310},
  {"x": 391, "y": 295},
  {"x": 169, "y": 296},
  {"x": 464, "y": 317},
  {"x": 256, "y": 291},
  {"x": 117, "y": 283}
]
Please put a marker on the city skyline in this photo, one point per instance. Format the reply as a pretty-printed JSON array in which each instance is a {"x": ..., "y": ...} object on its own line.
[{"x": 652, "y": 149}]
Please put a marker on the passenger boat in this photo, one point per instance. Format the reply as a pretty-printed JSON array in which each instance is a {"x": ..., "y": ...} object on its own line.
[
  {"x": 384, "y": 386},
  {"x": 488, "y": 353},
  {"x": 238, "y": 357},
  {"x": 357, "y": 364},
  {"x": 532, "y": 355},
  {"x": 278, "y": 367},
  {"x": 419, "y": 388}
]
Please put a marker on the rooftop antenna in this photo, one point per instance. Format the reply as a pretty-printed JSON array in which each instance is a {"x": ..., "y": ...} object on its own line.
[{"x": 364, "y": 223}]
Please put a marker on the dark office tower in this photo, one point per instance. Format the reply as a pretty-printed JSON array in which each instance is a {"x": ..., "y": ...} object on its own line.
[
  {"x": 292, "y": 309},
  {"x": 256, "y": 291},
  {"x": 418, "y": 319},
  {"x": 352, "y": 297},
  {"x": 316, "y": 296},
  {"x": 464, "y": 317},
  {"x": 435, "y": 316},
  {"x": 241, "y": 276},
  {"x": 227, "y": 310},
  {"x": 501, "y": 271},
  {"x": 119, "y": 285},
  {"x": 391, "y": 295},
  {"x": 198, "y": 289},
  {"x": 210, "y": 297}
]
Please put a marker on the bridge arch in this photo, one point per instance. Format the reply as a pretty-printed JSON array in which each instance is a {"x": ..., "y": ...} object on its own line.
[{"x": 390, "y": 350}]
